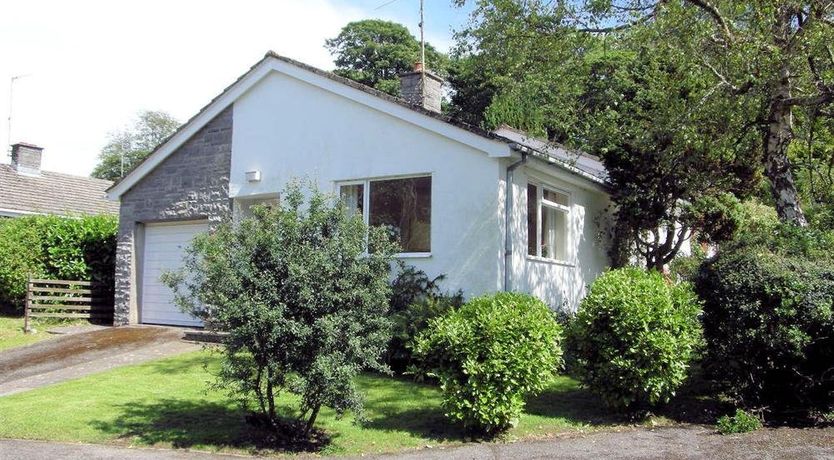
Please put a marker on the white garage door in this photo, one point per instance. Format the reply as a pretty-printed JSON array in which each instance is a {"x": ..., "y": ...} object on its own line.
[{"x": 164, "y": 250}]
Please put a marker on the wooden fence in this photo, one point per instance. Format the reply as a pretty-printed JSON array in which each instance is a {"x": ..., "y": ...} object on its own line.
[{"x": 67, "y": 299}]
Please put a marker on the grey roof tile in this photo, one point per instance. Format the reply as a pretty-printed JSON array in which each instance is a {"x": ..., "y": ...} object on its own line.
[{"x": 53, "y": 193}]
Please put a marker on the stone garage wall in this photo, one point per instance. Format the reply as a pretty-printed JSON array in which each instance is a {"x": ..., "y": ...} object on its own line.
[{"x": 192, "y": 183}]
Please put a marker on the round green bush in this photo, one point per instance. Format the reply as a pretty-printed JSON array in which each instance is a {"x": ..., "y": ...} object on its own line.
[
  {"x": 489, "y": 354},
  {"x": 634, "y": 336},
  {"x": 769, "y": 319}
]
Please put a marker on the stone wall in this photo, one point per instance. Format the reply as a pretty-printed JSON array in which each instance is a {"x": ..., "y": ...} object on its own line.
[{"x": 192, "y": 183}]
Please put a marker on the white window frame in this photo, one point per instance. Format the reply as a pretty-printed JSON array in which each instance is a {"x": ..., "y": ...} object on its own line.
[
  {"x": 366, "y": 204},
  {"x": 567, "y": 210}
]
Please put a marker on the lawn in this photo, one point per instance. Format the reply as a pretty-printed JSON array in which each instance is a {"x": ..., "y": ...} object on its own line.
[
  {"x": 11, "y": 333},
  {"x": 166, "y": 403},
  {"x": 11, "y": 330}
]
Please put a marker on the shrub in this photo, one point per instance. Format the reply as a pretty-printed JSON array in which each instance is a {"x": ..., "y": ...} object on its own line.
[
  {"x": 416, "y": 299},
  {"x": 768, "y": 319},
  {"x": 741, "y": 422},
  {"x": 82, "y": 248},
  {"x": 489, "y": 354},
  {"x": 304, "y": 304},
  {"x": 634, "y": 337},
  {"x": 684, "y": 268}
]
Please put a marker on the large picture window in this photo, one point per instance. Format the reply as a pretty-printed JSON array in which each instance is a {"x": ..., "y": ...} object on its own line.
[
  {"x": 548, "y": 215},
  {"x": 403, "y": 205}
]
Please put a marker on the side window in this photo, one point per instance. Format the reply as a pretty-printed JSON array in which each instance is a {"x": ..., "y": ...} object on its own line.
[
  {"x": 243, "y": 206},
  {"x": 548, "y": 217}
]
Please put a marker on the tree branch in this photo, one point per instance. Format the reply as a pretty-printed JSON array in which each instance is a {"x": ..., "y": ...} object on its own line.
[
  {"x": 681, "y": 238},
  {"x": 809, "y": 101},
  {"x": 713, "y": 12},
  {"x": 737, "y": 90}
]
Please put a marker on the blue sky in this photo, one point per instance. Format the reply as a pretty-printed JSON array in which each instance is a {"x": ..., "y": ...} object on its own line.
[
  {"x": 91, "y": 65},
  {"x": 440, "y": 16}
]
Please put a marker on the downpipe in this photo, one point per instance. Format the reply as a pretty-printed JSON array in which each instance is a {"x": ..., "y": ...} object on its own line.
[{"x": 508, "y": 207}]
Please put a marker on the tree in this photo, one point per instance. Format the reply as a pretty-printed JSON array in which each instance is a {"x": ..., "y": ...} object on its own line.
[
  {"x": 812, "y": 155},
  {"x": 304, "y": 304},
  {"x": 127, "y": 148},
  {"x": 672, "y": 152},
  {"x": 776, "y": 53},
  {"x": 375, "y": 52}
]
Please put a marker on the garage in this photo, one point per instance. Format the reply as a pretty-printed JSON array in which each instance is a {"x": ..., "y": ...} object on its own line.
[{"x": 164, "y": 248}]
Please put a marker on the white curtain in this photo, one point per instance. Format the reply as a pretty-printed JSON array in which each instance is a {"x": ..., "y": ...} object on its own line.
[
  {"x": 554, "y": 233},
  {"x": 353, "y": 196}
]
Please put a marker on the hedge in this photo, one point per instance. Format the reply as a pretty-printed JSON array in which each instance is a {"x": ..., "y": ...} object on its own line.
[{"x": 82, "y": 248}]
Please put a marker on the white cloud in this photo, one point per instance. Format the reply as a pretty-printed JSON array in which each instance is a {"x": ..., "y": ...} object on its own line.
[{"x": 94, "y": 64}]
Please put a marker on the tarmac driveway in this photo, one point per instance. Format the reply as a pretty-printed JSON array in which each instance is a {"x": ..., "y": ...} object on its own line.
[
  {"x": 76, "y": 355},
  {"x": 678, "y": 443}
]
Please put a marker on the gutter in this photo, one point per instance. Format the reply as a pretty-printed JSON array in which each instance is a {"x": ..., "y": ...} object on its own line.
[
  {"x": 545, "y": 157},
  {"x": 508, "y": 207}
]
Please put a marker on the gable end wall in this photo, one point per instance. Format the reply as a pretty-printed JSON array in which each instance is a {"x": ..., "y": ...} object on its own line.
[{"x": 191, "y": 184}]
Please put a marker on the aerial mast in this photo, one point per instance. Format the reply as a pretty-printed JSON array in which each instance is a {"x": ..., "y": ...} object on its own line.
[{"x": 422, "y": 53}]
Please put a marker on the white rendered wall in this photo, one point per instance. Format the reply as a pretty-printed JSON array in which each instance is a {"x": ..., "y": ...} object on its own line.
[
  {"x": 288, "y": 129},
  {"x": 560, "y": 285}
]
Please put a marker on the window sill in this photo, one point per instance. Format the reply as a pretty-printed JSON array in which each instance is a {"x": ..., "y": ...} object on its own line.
[
  {"x": 413, "y": 255},
  {"x": 545, "y": 260}
]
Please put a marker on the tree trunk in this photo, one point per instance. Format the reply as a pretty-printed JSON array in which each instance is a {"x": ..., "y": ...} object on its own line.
[
  {"x": 312, "y": 421},
  {"x": 777, "y": 165}
]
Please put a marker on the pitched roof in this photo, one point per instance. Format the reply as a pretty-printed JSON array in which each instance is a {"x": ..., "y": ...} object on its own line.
[
  {"x": 252, "y": 76},
  {"x": 581, "y": 163},
  {"x": 52, "y": 193}
]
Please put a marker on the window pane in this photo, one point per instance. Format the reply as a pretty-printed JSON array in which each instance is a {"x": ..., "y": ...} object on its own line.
[
  {"x": 353, "y": 197},
  {"x": 532, "y": 218},
  {"x": 555, "y": 197},
  {"x": 245, "y": 205},
  {"x": 554, "y": 233},
  {"x": 405, "y": 206}
]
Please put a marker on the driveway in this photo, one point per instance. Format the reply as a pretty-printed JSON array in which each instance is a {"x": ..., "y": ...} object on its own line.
[
  {"x": 76, "y": 355},
  {"x": 687, "y": 442}
]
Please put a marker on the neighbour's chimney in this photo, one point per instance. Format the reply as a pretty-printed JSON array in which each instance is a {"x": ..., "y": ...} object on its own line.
[
  {"x": 26, "y": 158},
  {"x": 411, "y": 88}
]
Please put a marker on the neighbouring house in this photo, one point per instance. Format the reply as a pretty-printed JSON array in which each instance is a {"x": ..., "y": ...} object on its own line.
[
  {"x": 399, "y": 162},
  {"x": 25, "y": 189}
]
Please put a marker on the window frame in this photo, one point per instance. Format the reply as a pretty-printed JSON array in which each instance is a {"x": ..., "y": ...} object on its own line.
[
  {"x": 238, "y": 202},
  {"x": 566, "y": 210},
  {"x": 366, "y": 204}
]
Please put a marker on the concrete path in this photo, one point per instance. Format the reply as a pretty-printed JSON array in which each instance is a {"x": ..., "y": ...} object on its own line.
[
  {"x": 690, "y": 442},
  {"x": 76, "y": 355}
]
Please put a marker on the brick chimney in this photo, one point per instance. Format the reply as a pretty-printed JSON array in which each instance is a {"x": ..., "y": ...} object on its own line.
[
  {"x": 26, "y": 158},
  {"x": 411, "y": 88}
]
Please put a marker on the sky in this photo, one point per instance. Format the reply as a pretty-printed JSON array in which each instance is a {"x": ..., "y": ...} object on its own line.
[{"x": 88, "y": 67}]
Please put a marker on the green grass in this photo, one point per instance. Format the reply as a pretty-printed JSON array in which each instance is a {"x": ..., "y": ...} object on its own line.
[
  {"x": 166, "y": 403},
  {"x": 11, "y": 333},
  {"x": 11, "y": 330}
]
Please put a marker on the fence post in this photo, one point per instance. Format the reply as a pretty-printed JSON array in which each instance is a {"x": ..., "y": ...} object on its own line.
[{"x": 28, "y": 304}]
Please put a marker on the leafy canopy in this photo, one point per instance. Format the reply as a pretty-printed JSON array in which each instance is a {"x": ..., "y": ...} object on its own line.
[
  {"x": 770, "y": 59},
  {"x": 302, "y": 302},
  {"x": 127, "y": 148},
  {"x": 674, "y": 153},
  {"x": 375, "y": 52}
]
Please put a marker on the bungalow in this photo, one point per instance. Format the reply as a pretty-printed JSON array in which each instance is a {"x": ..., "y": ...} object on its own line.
[
  {"x": 442, "y": 185},
  {"x": 26, "y": 189}
]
